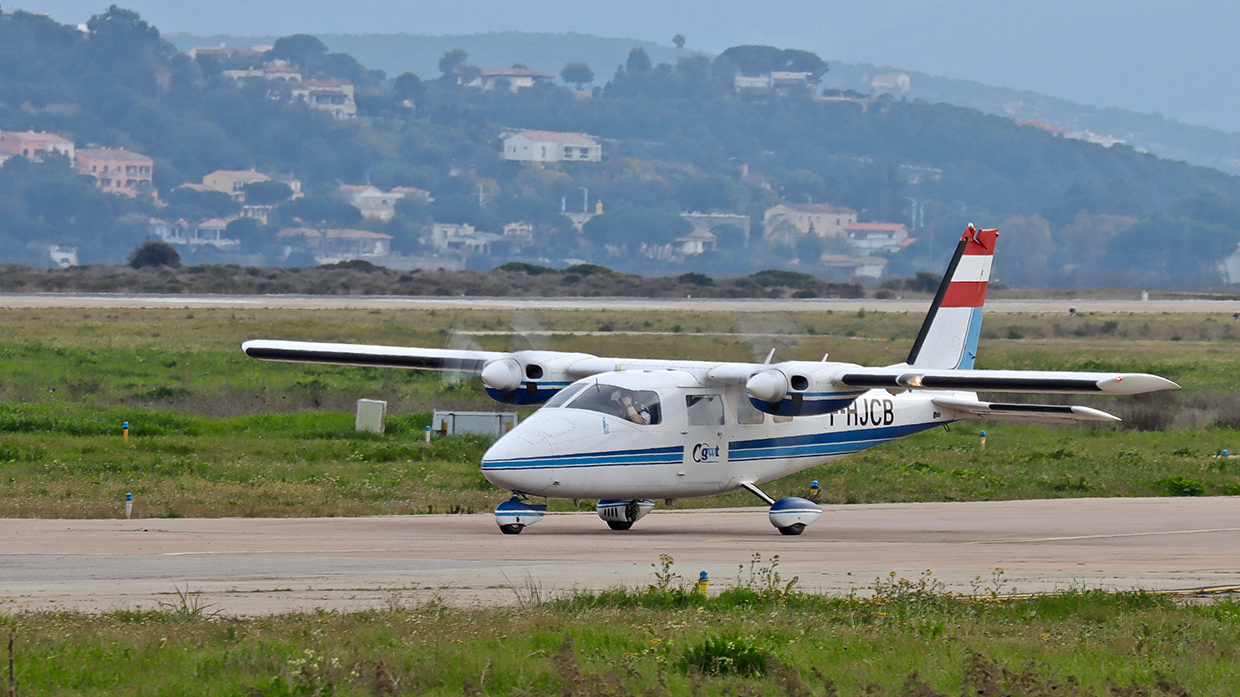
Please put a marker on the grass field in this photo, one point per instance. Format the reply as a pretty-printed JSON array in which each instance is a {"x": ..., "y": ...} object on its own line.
[
  {"x": 762, "y": 637},
  {"x": 218, "y": 434}
]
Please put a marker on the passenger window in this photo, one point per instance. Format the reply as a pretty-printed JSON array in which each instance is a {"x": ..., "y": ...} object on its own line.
[
  {"x": 704, "y": 409},
  {"x": 638, "y": 406},
  {"x": 746, "y": 413}
]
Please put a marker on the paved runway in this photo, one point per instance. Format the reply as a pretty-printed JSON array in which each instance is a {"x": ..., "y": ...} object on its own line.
[
  {"x": 256, "y": 566},
  {"x": 373, "y": 302}
]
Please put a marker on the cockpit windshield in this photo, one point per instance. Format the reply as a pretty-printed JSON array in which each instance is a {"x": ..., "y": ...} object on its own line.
[
  {"x": 638, "y": 406},
  {"x": 562, "y": 397}
]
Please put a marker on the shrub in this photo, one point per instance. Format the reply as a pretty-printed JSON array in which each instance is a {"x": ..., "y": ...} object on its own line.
[
  {"x": 1180, "y": 485},
  {"x": 720, "y": 656},
  {"x": 152, "y": 254}
]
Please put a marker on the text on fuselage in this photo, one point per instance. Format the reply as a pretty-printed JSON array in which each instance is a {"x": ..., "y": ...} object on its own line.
[
  {"x": 704, "y": 452},
  {"x": 867, "y": 412}
]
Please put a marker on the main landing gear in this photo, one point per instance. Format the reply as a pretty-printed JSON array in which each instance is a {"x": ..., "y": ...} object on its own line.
[
  {"x": 790, "y": 514},
  {"x": 620, "y": 514}
]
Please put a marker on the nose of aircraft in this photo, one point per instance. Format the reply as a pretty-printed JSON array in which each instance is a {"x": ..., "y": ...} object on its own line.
[{"x": 523, "y": 460}]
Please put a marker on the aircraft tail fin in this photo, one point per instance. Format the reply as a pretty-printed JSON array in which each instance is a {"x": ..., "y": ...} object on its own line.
[{"x": 948, "y": 338}]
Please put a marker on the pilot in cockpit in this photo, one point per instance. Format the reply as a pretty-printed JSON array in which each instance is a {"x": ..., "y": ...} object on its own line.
[{"x": 633, "y": 411}]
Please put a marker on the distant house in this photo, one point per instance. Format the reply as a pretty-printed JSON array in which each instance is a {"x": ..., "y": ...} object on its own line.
[
  {"x": 697, "y": 242},
  {"x": 375, "y": 203},
  {"x": 335, "y": 245},
  {"x": 518, "y": 78},
  {"x": 33, "y": 146},
  {"x": 233, "y": 182},
  {"x": 891, "y": 82},
  {"x": 170, "y": 231},
  {"x": 274, "y": 73},
  {"x": 551, "y": 146},
  {"x": 462, "y": 238},
  {"x": 877, "y": 236},
  {"x": 117, "y": 171},
  {"x": 746, "y": 83},
  {"x": 821, "y": 219},
  {"x": 333, "y": 96},
  {"x": 520, "y": 233},
  {"x": 413, "y": 192},
  {"x": 861, "y": 267},
  {"x": 710, "y": 221},
  {"x": 211, "y": 233},
  {"x": 63, "y": 257},
  {"x": 225, "y": 52}
]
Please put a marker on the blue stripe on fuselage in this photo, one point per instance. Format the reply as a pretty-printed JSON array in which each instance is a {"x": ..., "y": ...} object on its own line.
[
  {"x": 649, "y": 456},
  {"x": 819, "y": 444}
]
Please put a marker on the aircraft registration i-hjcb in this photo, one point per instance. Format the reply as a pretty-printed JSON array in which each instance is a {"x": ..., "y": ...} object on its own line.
[{"x": 630, "y": 431}]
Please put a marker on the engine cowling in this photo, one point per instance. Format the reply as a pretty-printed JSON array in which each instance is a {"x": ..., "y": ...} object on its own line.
[
  {"x": 799, "y": 388},
  {"x": 528, "y": 377}
]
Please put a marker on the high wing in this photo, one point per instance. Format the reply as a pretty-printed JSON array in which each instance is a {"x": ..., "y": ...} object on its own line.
[
  {"x": 994, "y": 411},
  {"x": 370, "y": 356},
  {"x": 1026, "y": 381}
]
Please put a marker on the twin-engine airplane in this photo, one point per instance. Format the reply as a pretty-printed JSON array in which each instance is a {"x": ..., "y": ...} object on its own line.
[{"x": 630, "y": 431}]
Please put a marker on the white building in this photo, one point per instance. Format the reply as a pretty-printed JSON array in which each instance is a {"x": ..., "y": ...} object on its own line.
[
  {"x": 550, "y": 146},
  {"x": 333, "y": 96},
  {"x": 872, "y": 237},
  {"x": 518, "y": 78},
  {"x": 462, "y": 237}
]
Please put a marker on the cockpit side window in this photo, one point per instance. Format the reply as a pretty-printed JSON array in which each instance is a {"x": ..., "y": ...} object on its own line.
[
  {"x": 638, "y": 406},
  {"x": 562, "y": 397}
]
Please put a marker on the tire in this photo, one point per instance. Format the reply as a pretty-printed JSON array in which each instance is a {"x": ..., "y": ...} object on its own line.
[
  {"x": 617, "y": 525},
  {"x": 794, "y": 529},
  {"x": 511, "y": 529}
]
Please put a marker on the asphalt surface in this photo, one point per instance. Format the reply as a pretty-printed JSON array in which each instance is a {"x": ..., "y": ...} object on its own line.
[
  {"x": 369, "y": 302},
  {"x": 258, "y": 566}
]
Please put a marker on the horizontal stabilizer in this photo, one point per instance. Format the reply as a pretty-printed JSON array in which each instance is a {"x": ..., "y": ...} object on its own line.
[
  {"x": 370, "y": 356},
  {"x": 1030, "y": 381},
  {"x": 1023, "y": 412}
]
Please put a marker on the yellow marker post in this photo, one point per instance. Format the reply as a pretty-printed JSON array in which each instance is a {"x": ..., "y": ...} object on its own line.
[
  {"x": 703, "y": 584},
  {"x": 983, "y": 441},
  {"x": 125, "y": 431}
]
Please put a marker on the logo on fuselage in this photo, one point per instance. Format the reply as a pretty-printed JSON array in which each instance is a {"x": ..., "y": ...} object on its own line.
[{"x": 705, "y": 452}]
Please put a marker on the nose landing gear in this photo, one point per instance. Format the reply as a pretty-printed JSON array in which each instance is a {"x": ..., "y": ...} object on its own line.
[
  {"x": 514, "y": 515},
  {"x": 790, "y": 514},
  {"x": 620, "y": 514}
]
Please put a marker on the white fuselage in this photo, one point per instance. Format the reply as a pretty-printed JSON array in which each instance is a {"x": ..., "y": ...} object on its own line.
[{"x": 566, "y": 452}]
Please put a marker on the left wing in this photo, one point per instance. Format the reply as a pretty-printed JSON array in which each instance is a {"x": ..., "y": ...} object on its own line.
[
  {"x": 370, "y": 356},
  {"x": 995, "y": 411}
]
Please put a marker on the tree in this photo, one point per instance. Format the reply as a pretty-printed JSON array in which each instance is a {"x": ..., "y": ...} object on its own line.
[
  {"x": 408, "y": 87},
  {"x": 634, "y": 226},
  {"x": 577, "y": 74},
  {"x": 760, "y": 60},
  {"x": 451, "y": 60},
  {"x": 152, "y": 254},
  {"x": 192, "y": 203},
  {"x": 319, "y": 210},
  {"x": 301, "y": 49},
  {"x": 679, "y": 41},
  {"x": 268, "y": 193},
  {"x": 638, "y": 61}
]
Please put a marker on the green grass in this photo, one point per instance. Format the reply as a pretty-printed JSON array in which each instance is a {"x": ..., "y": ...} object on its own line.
[
  {"x": 218, "y": 434},
  {"x": 63, "y": 460},
  {"x": 759, "y": 638}
]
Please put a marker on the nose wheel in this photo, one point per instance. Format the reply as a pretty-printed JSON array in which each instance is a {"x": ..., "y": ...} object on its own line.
[{"x": 515, "y": 515}]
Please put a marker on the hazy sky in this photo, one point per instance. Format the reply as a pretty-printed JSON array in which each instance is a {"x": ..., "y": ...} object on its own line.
[{"x": 1178, "y": 59}]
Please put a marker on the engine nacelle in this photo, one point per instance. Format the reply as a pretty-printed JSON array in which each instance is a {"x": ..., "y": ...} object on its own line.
[
  {"x": 800, "y": 388},
  {"x": 528, "y": 377}
]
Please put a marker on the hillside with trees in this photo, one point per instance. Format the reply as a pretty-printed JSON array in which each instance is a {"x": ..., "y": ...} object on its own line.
[{"x": 676, "y": 137}]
